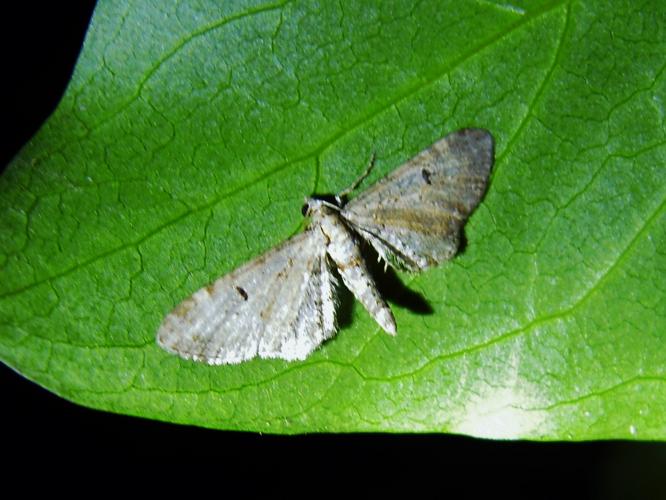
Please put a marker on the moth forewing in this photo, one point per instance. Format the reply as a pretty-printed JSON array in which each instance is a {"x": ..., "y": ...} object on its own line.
[
  {"x": 279, "y": 305},
  {"x": 413, "y": 216}
]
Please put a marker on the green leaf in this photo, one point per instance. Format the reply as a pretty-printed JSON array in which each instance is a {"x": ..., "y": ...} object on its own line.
[{"x": 191, "y": 132}]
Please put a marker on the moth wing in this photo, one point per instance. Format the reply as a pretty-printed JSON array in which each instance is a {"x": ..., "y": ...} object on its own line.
[
  {"x": 413, "y": 216},
  {"x": 280, "y": 305}
]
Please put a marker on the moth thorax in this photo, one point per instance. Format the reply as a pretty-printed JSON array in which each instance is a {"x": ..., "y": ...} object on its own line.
[{"x": 315, "y": 207}]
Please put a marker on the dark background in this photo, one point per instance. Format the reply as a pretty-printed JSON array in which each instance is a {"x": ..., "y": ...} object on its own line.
[{"x": 41, "y": 41}]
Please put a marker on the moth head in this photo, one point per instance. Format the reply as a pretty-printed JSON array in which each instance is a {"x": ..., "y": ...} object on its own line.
[{"x": 311, "y": 206}]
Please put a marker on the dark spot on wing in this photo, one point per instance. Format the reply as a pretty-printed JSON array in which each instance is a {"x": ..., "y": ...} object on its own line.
[
  {"x": 241, "y": 291},
  {"x": 426, "y": 176}
]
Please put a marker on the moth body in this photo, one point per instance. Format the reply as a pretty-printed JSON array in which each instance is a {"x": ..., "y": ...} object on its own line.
[{"x": 343, "y": 248}]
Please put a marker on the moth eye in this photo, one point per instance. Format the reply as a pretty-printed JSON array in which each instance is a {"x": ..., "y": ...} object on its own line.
[{"x": 304, "y": 209}]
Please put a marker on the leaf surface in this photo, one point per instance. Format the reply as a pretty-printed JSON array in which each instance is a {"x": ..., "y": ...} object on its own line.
[{"x": 191, "y": 132}]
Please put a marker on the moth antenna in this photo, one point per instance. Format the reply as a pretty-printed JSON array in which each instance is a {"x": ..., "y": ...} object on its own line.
[{"x": 358, "y": 180}]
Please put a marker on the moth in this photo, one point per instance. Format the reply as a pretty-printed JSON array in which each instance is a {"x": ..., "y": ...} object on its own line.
[{"x": 283, "y": 304}]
